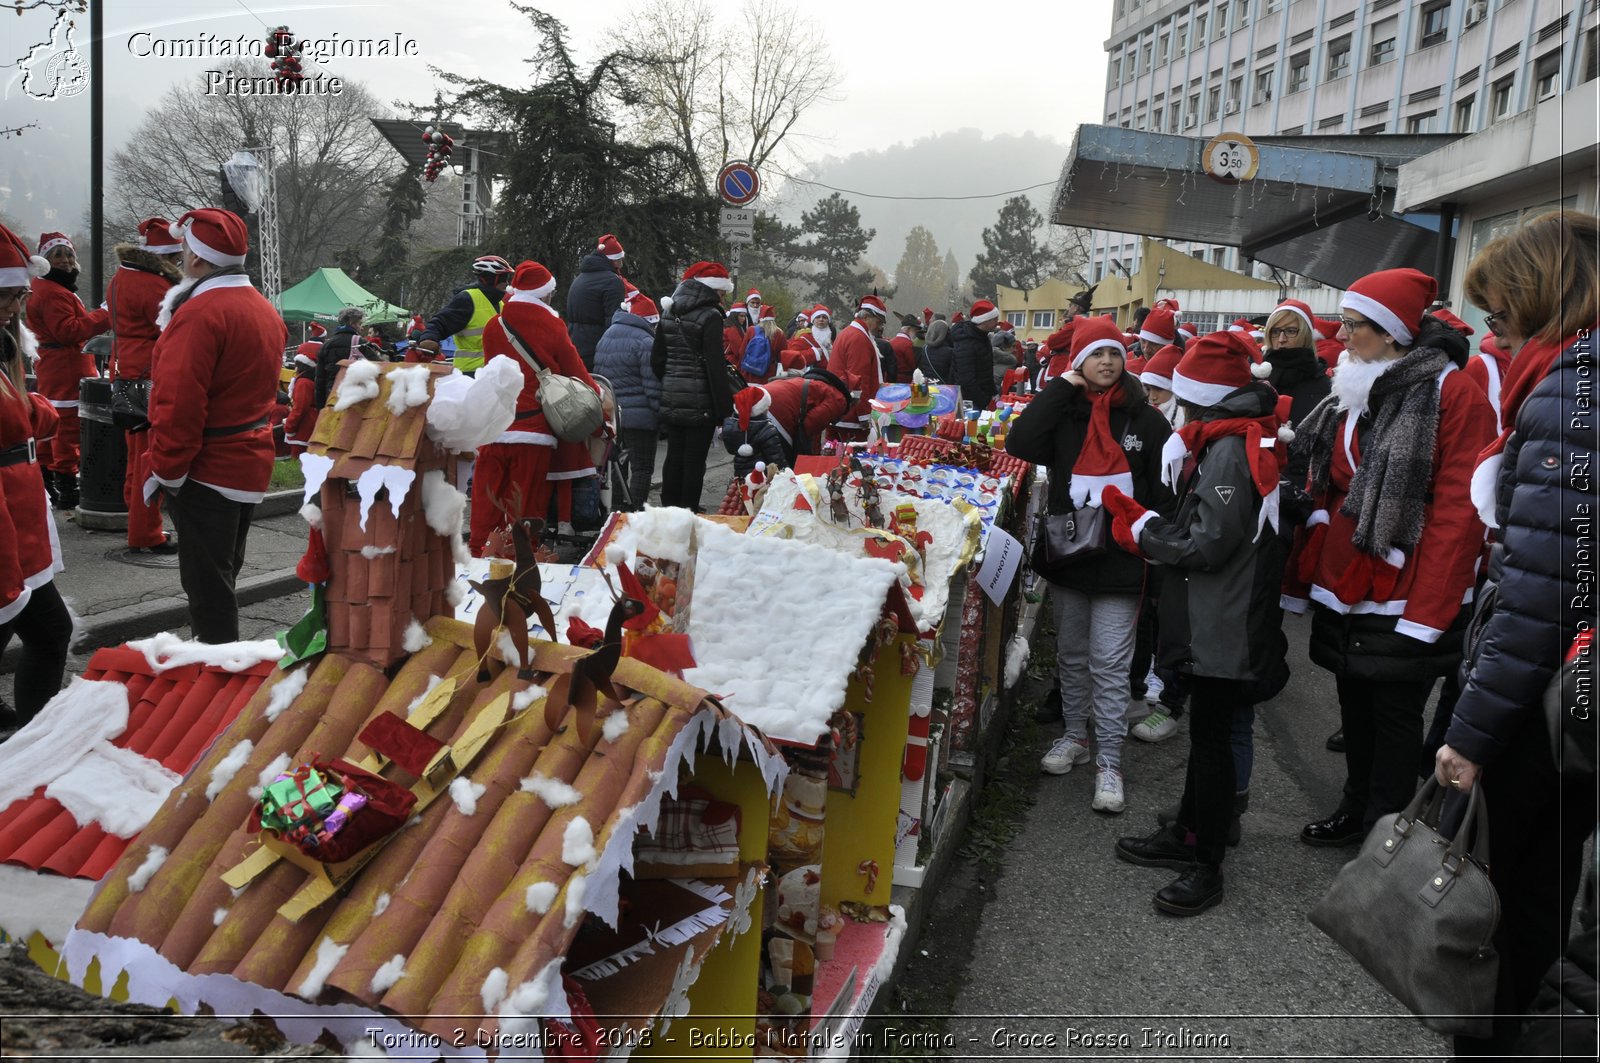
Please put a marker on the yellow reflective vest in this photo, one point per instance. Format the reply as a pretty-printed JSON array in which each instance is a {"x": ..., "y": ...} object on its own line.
[{"x": 469, "y": 341}]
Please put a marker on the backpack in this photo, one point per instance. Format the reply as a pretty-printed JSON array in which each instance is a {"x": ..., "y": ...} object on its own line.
[{"x": 757, "y": 353}]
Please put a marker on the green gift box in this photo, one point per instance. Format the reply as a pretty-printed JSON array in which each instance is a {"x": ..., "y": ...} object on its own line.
[{"x": 306, "y": 797}]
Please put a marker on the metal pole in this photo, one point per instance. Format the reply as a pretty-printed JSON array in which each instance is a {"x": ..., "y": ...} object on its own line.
[
  {"x": 96, "y": 150},
  {"x": 1444, "y": 249}
]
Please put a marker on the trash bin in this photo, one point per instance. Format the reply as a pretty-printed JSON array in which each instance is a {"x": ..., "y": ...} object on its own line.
[{"x": 104, "y": 462}]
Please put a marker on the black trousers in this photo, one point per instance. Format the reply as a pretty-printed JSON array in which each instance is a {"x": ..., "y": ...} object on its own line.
[
  {"x": 683, "y": 474},
  {"x": 1144, "y": 646},
  {"x": 1209, "y": 786},
  {"x": 1382, "y": 743},
  {"x": 45, "y": 628},
  {"x": 211, "y": 536},
  {"x": 640, "y": 443},
  {"x": 1538, "y": 821}
]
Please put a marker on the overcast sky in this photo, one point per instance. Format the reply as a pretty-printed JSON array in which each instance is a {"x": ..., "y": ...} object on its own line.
[{"x": 908, "y": 70}]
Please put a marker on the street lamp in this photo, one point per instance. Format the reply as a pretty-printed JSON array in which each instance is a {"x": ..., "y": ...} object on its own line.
[{"x": 249, "y": 174}]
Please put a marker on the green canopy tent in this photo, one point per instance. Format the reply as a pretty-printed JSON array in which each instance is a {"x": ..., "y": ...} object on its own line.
[{"x": 327, "y": 291}]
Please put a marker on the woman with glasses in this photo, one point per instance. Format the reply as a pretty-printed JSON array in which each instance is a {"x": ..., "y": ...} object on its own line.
[
  {"x": 30, "y": 606},
  {"x": 1536, "y": 487},
  {"x": 1387, "y": 555}
]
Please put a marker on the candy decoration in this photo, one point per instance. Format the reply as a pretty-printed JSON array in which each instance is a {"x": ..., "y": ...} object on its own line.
[
  {"x": 284, "y": 51},
  {"x": 440, "y": 146}
]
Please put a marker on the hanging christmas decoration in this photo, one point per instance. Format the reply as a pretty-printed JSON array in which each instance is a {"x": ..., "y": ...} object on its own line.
[
  {"x": 284, "y": 51},
  {"x": 440, "y": 145}
]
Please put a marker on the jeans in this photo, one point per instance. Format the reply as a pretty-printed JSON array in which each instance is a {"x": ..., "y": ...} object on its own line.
[
  {"x": 683, "y": 474},
  {"x": 211, "y": 535},
  {"x": 45, "y": 627},
  {"x": 1383, "y": 741},
  {"x": 1094, "y": 642},
  {"x": 1209, "y": 786},
  {"x": 640, "y": 443}
]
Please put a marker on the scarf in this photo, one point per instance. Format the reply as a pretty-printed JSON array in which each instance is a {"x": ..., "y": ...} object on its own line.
[
  {"x": 1531, "y": 365},
  {"x": 1101, "y": 460},
  {"x": 1389, "y": 491},
  {"x": 185, "y": 289}
]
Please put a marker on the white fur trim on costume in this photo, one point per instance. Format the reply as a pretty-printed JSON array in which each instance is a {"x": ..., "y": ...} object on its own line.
[
  {"x": 1269, "y": 515},
  {"x": 50, "y": 245},
  {"x": 978, "y": 319},
  {"x": 1153, "y": 337},
  {"x": 1173, "y": 455},
  {"x": 1395, "y": 557},
  {"x": 1419, "y": 632},
  {"x": 1379, "y": 314},
  {"x": 161, "y": 249},
  {"x": 1317, "y": 517},
  {"x": 209, "y": 253},
  {"x": 535, "y": 295},
  {"x": 30, "y": 342},
  {"x": 305, "y": 359},
  {"x": 1083, "y": 355},
  {"x": 1484, "y": 480},
  {"x": 716, "y": 284},
  {"x": 1290, "y": 604},
  {"x": 1299, "y": 313},
  {"x": 763, "y": 404},
  {"x": 1085, "y": 490},
  {"x": 1138, "y": 526},
  {"x": 1198, "y": 391},
  {"x": 1260, "y": 370},
  {"x": 1155, "y": 380},
  {"x": 1285, "y": 434}
]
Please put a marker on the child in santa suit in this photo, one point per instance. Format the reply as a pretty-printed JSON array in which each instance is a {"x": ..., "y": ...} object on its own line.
[
  {"x": 62, "y": 325},
  {"x": 147, "y": 271},
  {"x": 780, "y": 420},
  {"x": 512, "y": 476},
  {"x": 302, "y": 421}
]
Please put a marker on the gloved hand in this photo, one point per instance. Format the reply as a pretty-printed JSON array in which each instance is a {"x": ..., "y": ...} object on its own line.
[{"x": 1124, "y": 513}]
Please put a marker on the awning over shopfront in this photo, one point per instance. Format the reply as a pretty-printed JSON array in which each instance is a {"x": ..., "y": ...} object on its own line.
[{"x": 1321, "y": 207}]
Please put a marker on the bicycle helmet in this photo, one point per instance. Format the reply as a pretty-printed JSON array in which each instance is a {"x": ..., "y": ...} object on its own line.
[{"x": 492, "y": 265}]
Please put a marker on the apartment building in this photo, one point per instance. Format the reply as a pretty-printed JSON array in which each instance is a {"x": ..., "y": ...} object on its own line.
[{"x": 1298, "y": 68}]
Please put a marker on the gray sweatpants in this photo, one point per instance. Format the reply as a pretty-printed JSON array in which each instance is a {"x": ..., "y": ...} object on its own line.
[{"x": 1094, "y": 645}]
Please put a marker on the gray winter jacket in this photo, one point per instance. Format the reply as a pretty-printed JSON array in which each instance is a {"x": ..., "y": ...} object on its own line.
[{"x": 623, "y": 357}]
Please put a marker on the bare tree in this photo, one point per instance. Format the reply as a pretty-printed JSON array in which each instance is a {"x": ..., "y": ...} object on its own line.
[{"x": 331, "y": 164}]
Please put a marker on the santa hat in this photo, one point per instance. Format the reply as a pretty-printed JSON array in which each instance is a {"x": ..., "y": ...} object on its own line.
[
  {"x": 1242, "y": 324},
  {"x": 1393, "y": 299},
  {"x": 155, "y": 236},
  {"x": 531, "y": 281},
  {"x": 1443, "y": 314},
  {"x": 957, "y": 317},
  {"x": 739, "y": 308},
  {"x": 50, "y": 241},
  {"x": 1217, "y": 365},
  {"x": 1299, "y": 309},
  {"x": 1168, "y": 303},
  {"x": 1185, "y": 333},
  {"x": 1091, "y": 334},
  {"x": 821, "y": 311},
  {"x": 317, "y": 331},
  {"x": 305, "y": 359},
  {"x": 713, "y": 275},
  {"x": 1325, "y": 328},
  {"x": 753, "y": 295},
  {"x": 927, "y": 315},
  {"x": 983, "y": 310},
  {"x": 748, "y": 403},
  {"x": 767, "y": 314},
  {"x": 803, "y": 314},
  {"x": 1060, "y": 341},
  {"x": 873, "y": 304},
  {"x": 1133, "y": 364},
  {"x": 216, "y": 235},
  {"x": 18, "y": 265},
  {"x": 611, "y": 247},
  {"x": 1160, "y": 326},
  {"x": 1158, "y": 370},
  {"x": 643, "y": 306}
]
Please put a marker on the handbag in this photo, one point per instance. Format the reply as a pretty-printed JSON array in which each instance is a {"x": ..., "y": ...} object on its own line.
[
  {"x": 571, "y": 408},
  {"x": 1419, "y": 913},
  {"x": 1063, "y": 539},
  {"x": 130, "y": 399}
]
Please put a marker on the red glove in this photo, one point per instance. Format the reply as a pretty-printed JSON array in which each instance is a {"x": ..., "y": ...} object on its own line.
[{"x": 1124, "y": 513}]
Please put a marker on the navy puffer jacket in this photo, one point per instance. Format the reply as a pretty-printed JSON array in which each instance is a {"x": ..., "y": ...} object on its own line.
[
  {"x": 594, "y": 296},
  {"x": 623, "y": 357},
  {"x": 972, "y": 364},
  {"x": 1544, "y": 587}
]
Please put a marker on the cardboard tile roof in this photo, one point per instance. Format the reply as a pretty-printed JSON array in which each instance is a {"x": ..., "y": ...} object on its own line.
[
  {"x": 174, "y": 715},
  {"x": 370, "y": 432},
  {"x": 449, "y": 892}
]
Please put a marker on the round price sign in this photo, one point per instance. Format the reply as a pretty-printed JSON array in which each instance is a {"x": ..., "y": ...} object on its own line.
[{"x": 1230, "y": 158}]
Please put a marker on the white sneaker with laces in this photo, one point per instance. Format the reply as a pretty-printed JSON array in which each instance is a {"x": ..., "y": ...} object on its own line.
[
  {"x": 1108, "y": 795},
  {"x": 1156, "y": 727},
  {"x": 1153, "y": 686},
  {"x": 1066, "y": 752}
]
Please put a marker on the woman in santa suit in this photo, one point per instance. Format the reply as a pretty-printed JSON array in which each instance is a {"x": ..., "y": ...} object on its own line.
[
  {"x": 147, "y": 271},
  {"x": 1389, "y": 551},
  {"x": 512, "y": 476},
  {"x": 57, "y": 317},
  {"x": 30, "y": 555}
]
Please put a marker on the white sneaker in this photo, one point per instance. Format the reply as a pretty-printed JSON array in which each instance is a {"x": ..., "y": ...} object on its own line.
[
  {"x": 1153, "y": 686},
  {"x": 1066, "y": 752},
  {"x": 1108, "y": 790},
  {"x": 1156, "y": 727}
]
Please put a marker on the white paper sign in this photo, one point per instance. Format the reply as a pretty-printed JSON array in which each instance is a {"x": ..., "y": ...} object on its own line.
[{"x": 1001, "y": 556}]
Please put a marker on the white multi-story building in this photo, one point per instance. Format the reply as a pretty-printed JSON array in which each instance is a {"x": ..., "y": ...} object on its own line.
[{"x": 1295, "y": 68}]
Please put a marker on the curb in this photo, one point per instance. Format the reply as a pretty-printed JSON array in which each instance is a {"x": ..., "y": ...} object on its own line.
[{"x": 279, "y": 504}]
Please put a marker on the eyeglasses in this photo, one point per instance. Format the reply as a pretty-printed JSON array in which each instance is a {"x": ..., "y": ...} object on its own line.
[
  {"x": 1288, "y": 330},
  {"x": 1495, "y": 320},
  {"x": 1350, "y": 324}
]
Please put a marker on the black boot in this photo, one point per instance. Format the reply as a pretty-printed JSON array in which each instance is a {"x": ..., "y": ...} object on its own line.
[
  {"x": 1198, "y": 888},
  {"x": 1241, "y": 805},
  {"x": 1049, "y": 710},
  {"x": 1335, "y": 742},
  {"x": 1336, "y": 832},
  {"x": 1164, "y": 848},
  {"x": 1169, "y": 815},
  {"x": 67, "y": 487},
  {"x": 50, "y": 488}
]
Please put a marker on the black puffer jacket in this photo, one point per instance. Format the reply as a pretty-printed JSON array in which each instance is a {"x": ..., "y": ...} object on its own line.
[
  {"x": 939, "y": 353},
  {"x": 595, "y": 295},
  {"x": 1218, "y": 579},
  {"x": 1298, "y": 373},
  {"x": 1546, "y": 505},
  {"x": 336, "y": 348},
  {"x": 687, "y": 357},
  {"x": 972, "y": 364},
  {"x": 1051, "y": 432}
]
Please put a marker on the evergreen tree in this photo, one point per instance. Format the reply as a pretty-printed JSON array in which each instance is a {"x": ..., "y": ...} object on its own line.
[
  {"x": 1015, "y": 253},
  {"x": 920, "y": 277},
  {"x": 837, "y": 246},
  {"x": 954, "y": 293}
]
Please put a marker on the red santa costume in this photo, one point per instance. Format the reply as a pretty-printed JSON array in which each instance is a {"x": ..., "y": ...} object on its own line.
[
  {"x": 777, "y": 340},
  {"x": 214, "y": 385},
  {"x": 62, "y": 326},
  {"x": 905, "y": 354},
  {"x": 735, "y": 333},
  {"x": 513, "y": 474},
  {"x": 133, "y": 298},
  {"x": 1055, "y": 355},
  {"x": 302, "y": 420},
  {"x": 1488, "y": 368},
  {"x": 855, "y": 353}
]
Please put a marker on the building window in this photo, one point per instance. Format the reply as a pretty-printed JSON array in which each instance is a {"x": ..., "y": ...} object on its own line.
[
  {"x": 1017, "y": 318},
  {"x": 1269, "y": 6},
  {"x": 1172, "y": 118},
  {"x": 1591, "y": 56},
  {"x": 1144, "y": 58},
  {"x": 1235, "y": 93},
  {"x": 1181, "y": 42},
  {"x": 1155, "y": 118},
  {"x": 1426, "y": 122},
  {"x": 1217, "y": 254},
  {"x": 1263, "y": 91},
  {"x": 1435, "y": 22},
  {"x": 1547, "y": 75},
  {"x": 1044, "y": 319},
  {"x": 1161, "y": 48},
  {"x": 1200, "y": 28},
  {"x": 1502, "y": 98},
  {"x": 1241, "y": 14},
  {"x": 1462, "y": 122},
  {"x": 1199, "y": 253},
  {"x": 1338, "y": 58},
  {"x": 1299, "y": 72},
  {"x": 1373, "y": 130},
  {"x": 1222, "y": 20},
  {"x": 1116, "y": 72},
  {"x": 1213, "y": 103},
  {"x": 1382, "y": 38}
]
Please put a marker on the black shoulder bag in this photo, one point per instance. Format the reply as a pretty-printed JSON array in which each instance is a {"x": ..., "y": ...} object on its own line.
[{"x": 130, "y": 399}]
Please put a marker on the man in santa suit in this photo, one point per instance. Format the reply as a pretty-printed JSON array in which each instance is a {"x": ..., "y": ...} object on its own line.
[
  {"x": 802, "y": 350},
  {"x": 905, "y": 347},
  {"x": 512, "y": 477},
  {"x": 855, "y": 353},
  {"x": 213, "y": 386},
  {"x": 62, "y": 325},
  {"x": 147, "y": 271}
]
